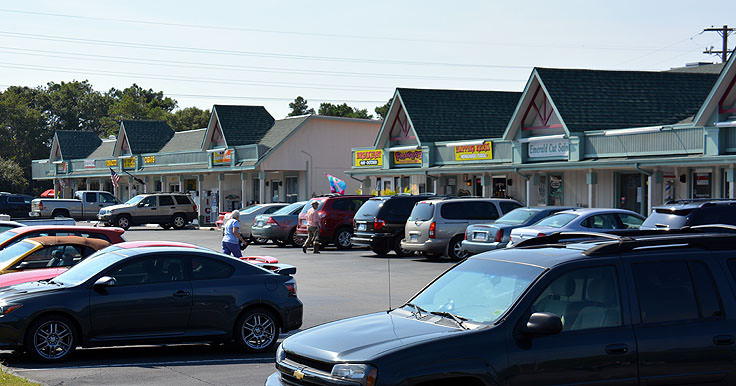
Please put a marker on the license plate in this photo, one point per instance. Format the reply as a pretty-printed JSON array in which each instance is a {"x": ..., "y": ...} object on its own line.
[
  {"x": 260, "y": 224},
  {"x": 414, "y": 237},
  {"x": 361, "y": 227},
  {"x": 481, "y": 236}
]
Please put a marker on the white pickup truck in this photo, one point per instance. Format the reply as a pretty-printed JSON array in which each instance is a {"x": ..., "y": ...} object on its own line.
[{"x": 85, "y": 205}]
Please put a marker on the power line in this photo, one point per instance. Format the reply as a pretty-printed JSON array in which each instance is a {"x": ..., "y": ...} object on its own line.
[{"x": 724, "y": 32}]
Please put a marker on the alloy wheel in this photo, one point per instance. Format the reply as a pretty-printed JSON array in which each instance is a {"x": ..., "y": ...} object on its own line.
[
  {"x": 258, "y": 331},
  {"x": 53, "y": 340}
]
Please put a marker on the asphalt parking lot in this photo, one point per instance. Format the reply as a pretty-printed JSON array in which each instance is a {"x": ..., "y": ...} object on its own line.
[{"x": 332, "y": 285}]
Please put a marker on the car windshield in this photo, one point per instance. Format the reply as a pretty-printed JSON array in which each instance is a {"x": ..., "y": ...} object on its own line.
[
  {"x": 479, "y": 290},
  {"x": 135, "y": 200},
  {"x": 88, "y": 267},
  {"x": 11, "y": 253},
  {"x": 422, "y": 211},
  {"x": 289, "y": 208},
  {"x": 517, "y": 216},
  {"x": 665, "y": 218},
  {"x": 3, "y": 228},
  {"x": 557, "y": 220},
  {"x": 7, "y": 235}
]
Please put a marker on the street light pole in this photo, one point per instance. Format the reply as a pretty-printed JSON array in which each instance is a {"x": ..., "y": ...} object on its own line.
[{"x": 308, "y": 171}]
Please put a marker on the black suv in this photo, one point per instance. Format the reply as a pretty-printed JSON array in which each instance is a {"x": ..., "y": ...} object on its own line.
[
  {"x": 379, "y": 223},
  {"x": 581, "y": 308},
  {"x": 15, "y": 205},
  {"x": 683, "y": 213}
]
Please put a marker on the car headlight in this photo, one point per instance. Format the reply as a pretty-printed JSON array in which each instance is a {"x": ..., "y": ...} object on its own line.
[
  {"x": 280, "y": 354},
  {"x": 8, "y": 308},
  {"x": 366, "y": 374}
]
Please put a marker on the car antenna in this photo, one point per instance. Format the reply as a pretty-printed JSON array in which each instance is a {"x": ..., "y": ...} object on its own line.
[{"x": 388, "y": 264}]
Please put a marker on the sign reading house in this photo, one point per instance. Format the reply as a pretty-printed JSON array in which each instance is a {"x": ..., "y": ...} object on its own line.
[
  {"x": 480, "y": 152},
  {"x": 549, "y": 148},
  {"x": 407, "y": 157},
  {"x": 368, "y": 158}
]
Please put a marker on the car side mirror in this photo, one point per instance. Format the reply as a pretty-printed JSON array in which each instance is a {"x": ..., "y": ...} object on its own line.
[
  {"x": 543, "y": 323},
  {"x": 105, "y": 281}
]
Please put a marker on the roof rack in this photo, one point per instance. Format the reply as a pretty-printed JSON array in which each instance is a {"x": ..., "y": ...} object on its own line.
[
  {"x": 712, "y": 237},
  {"x": 698, "y": 200}
]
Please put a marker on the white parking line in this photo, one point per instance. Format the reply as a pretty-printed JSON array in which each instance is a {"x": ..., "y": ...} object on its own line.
[{"x": 150, "y": 364}]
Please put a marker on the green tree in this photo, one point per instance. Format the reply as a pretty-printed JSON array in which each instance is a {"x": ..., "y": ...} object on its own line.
[
  {"x": 382, "y": 111},
  {"x": 343, "y": 110},
  {"x": 75, "y": 106},
  {"x": 135, "y": 102},
  {"x": 299, "y": 107},
  {"x": 188, "y": 119},
  {"x": 12, "y": 176}
]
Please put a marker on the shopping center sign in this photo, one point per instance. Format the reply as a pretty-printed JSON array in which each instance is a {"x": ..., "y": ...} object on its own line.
[
  {"x": 407, "y": 157},
  {"x": 369, "y": 158},
  {"x": 549, "y": 148},
  {"x": 479, "y": 152},
  {"x": 222, "y": 157}
]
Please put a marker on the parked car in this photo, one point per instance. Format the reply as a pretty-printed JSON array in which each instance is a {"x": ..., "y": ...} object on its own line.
[
  {"x": 582, "y": 219},
  {"x": 166, "y": 209},
  {"x": 12, "y": 236},
  {"x": 50, "y": 273},
  {"x": 279, "y": 226},
  {"x": 47, "y": 252},
  {"x": 436, "y": 227},
  {"x": 150, "y": 295},
  {"x": 248, "y": 215},
  {"x": 15, "y": 205},
  {"x": 5, "y": 225},
  {"x": 379, "y": 223},
  {"x": 336, "y": 218},
  {"x": 485, "y": 237},
  {"x": 635, "y": 310},
  {"x": 683, "y": 213},
  {"x": 84, "y": 206}
]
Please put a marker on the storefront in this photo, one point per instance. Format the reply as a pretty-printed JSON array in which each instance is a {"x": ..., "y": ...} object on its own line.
[{"x": 244, "y": 156}]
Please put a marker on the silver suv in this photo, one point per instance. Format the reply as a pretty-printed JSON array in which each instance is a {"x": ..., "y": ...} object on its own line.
[
  {"x": 437, "y": 227},
  {"x": 167, "y": 209}
]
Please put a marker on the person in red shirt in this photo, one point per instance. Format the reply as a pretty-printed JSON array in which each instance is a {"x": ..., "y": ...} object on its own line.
[{"x": 312, "y": 228}]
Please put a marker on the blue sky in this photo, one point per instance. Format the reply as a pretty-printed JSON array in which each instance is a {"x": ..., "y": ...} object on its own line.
[{"x": 267, "y": 53}]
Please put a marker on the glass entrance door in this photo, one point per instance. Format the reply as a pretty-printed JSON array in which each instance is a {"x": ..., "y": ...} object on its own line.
[{"x": 631, "y": 192}]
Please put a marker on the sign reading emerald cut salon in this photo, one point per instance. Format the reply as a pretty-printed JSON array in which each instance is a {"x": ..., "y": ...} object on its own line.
[
  {"x": 407, "y": 157},
  {"x": 368, "y": 158},
  {"x": 550, "y": 148},
  {"x": 480, "y": 152}
]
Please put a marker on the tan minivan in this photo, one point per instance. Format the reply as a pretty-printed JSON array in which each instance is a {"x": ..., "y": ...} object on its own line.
[
  {"x": 436, "y": 227},
  {"x": 167, "y": 209}
]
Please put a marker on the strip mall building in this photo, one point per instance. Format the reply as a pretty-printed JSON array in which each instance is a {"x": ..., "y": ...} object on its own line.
[
  {"x": 244, "y": 155},
  {"x": 625, "y": 139}
]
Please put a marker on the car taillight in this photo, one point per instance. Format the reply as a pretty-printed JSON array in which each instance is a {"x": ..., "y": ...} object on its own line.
[
  {"x": 271, "y": 221},
  {"x": 40, "y": 206},
  {"x": 378, "y": 224},
  {"x": 194, "y": 207},
  {"x": 540, "y": 234},
  {"x": 321, "y": 214},
  {"x": 466, "y": 234},
  {"x": 499, "y": 236},
  {"x": 291, "y": 287},
  {"x": 432, "y": 229}
]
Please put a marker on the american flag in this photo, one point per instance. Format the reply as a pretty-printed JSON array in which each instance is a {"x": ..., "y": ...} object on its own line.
[{"x": 114, "y": 177}]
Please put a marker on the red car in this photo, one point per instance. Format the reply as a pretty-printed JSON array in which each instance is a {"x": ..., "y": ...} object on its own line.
[
  {"x": 12, "y": 236},
  {"x": 336, "y": 219}
]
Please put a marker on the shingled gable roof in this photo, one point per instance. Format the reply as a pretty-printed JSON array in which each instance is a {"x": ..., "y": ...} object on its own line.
[
  {"x": 599, "y": 100},
  {"x": 76, "y": 144},
  {"x": 448, "y": 115},
  {"x": 243, "y": 125},
  {"x": 146, "y": 136}
]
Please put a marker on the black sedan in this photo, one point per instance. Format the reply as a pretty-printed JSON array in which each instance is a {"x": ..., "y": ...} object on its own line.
[
  {"x": 485, "y": 237},
  {"x": 150, "y": 295}
]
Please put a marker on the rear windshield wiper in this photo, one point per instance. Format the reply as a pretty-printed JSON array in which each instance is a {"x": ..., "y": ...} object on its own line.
[
  {"x": 458, "y": 319},
  {"x": 417, "y": 310}
]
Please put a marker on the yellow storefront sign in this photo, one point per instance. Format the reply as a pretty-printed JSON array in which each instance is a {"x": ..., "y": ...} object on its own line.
[
  {"x": 407, "y": 157},
  {"x": 149, "y": 160},
  {"x": 368, "y": 158},
  {"x": 480, "y": 152},
  {"x": 129, "y": 163},
  {"x": 222, "y": 157},
  {"x": 111, "y": 162}
]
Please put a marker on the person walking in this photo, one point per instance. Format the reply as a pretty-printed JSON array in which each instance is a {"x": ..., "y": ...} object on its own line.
[
  {"x": 312, "y": 228},
  {"x": 231, "y": 236}
]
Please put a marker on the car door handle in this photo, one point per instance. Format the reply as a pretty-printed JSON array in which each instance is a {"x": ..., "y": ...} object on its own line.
[
  {"x": 181, "y": 293},
  {"x": 723, "y": 340},
  {"x": 617, "y": 349}
]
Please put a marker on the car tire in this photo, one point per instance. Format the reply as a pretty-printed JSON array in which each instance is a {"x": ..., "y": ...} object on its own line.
[
  {"x": 380, "y": 251},
  {"x": 257, "y": 330},
  {"x": 342, "y": 238},
  {"x": 279, "y": 243},
  {"x": 123, "y": 221},
  {"x": 60, "y": 213},
  {"x": 401, "y": 252},
  {"x": 166, "y": 226},
  {"x": 455, "y": 249},
  {"x": 258, "y": 240},
  {"x": 51, "y": 338},
  {"x": 178, "y": 221},
  {"x": 295, "y": 240}
]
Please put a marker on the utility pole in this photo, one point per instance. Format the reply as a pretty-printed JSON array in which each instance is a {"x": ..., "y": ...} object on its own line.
[{"x": 724, "y": 32}]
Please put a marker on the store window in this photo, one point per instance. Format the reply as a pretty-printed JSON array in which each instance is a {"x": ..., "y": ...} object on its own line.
[
  {"x": 555, "y": 191},
  {"x": 499, "y": 186},
  {"x": 702, "y": 185},
  {"x": 631, "y": 192},
  {"x": 256, "y": 194},
  {"x": 292, "y": 189}
]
